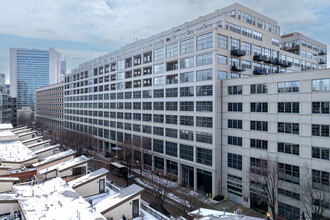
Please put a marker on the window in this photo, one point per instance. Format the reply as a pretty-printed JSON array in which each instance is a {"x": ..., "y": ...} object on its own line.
[
  {"x": 159, "y": 54},
  {"x": 289, "y": 194},
  {"x": 171, "y": 106},
  {"x": 247, "y": 32},
  {"x": 320, "y": 107},
  {"x": 234, "y": 44},
  {"x": 235, "y": 161},
  {"x": 259, "y": 144},
  {"x": 222, "y": 74},
  {"x": 289, "y": 128},
  {"x": 235, "y": 107},
  {"x": 171, "y": 149},
  {"x": 172, "y": 65},
  {"x": 204, "y": 90},
  {"x": 288, "y": 211},
  {"x": 147, "y": 106},
  {"x": 321, "y": 180},
  {"x": 187, "y": 62},
  {"x": 159, "y": 80},
  {"x": 288, "y": 107},
  {"x": 204, "y": 59},
  {"x": 136, "y": 94},
  {"x": 259, "y": 107},
  {"x": 234, "y": 28},
  {"x": 158, "y": 118},
  {"x": 187, "y": 120},
  {"x": 246, "y": 47},
  {"x": 288, "y": 148},
  {"x": 204, "y": 106},
  {"x": 204, "y": 156},
  {"x": 187, "y": 135},
  {"x": 158, "y": 131},
  {"x": 320, "y": 153},
  {"x": 186, "y": 106},
  {"x": 321, "y": 85},
  {"x": 172, "y": 119},
  {"x": 283, "y": 87},
  {"x": 147, "y": 94},
  {"x": 159, "y": 68},
  {"x": 172, "y": 50},
  {"x": 259, "y": 88},
  {"x": 186, "y": 152},
  {"x": 203, "y": 137},
  {"x": 159, "y": 106},
  {"x": 258, "y": 166},
  {"x": 204, "y": 122},
  {"x": 222, "y": 41},
  {"x": 158, "y": 146},
  {"x": 235, "y": 90},
  {"x": 257, "y": 35},
  {"x": 187, "y": 77},
  {"x": 187, "y": 46},
  {"x": 158, "y": 93},
  {"x": 186, "y": 91},
  {"x": 235, "y": 124},
  {"x": 233, "y": 140},
  {"x": 259, "y": 125},
  {"x": 172, "y": 92},
  {"x": 204, "y": 75},
  {"x": 288, "y": 173},
  {"x": 222, "y": 59},
  {"x": 159, "y": 163},
  {"x": 320, "y": 130},
  {"x": 171, "y": 79},
  {"x": 204, "y": 41}
]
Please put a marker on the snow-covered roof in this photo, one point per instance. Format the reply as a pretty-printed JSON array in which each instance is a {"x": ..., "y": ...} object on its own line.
[
  {"x": 32, "y": 139},
  {"x": 6, "y": 126},
  {"x": 209, "y": 214},
  {"x": 124, "y": 194},
  {"x": 21, "y": 131},
  {"x": 53, "y": 199},
  {"x": 81, "y": 180},
  {"x": 55, "y": 157},
  {"x": 38, "y": 143},
  {"x": 65, "y": 165},
  {"x": 10, "y": 178},
  {"x": 47, "y": 148},
  {"x": 6, "y": 133},
  {"x": 26, "y": 133},
  {"x": 15, "y": 151}
]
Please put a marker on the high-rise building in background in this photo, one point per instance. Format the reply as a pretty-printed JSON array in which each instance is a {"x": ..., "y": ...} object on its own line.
[
  {"x": 63, "y": 69},
  {"x": 31, "y": 69},
  {"x": 8, "y": 105}
]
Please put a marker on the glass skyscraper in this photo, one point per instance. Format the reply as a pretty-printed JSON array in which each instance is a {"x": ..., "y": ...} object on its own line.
[{"x": 31, "y": 69}]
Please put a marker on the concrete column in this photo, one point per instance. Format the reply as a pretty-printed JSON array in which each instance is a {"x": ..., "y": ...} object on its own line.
[
  {"x": 165, "y": 167},
  {"x": 179, "y": 174},
  {"x": 152, "y": 163},
  {"x": 195, "y": 179}
]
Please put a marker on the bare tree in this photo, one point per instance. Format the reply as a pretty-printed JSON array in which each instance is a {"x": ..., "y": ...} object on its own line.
[
  {"x": 161, "y": 187},
  {"x": 189, "y": 202},
  {"x": 314, "y": 197},
  {"x": 264, "y": 175},
  {"x": 78, "y": 141}
]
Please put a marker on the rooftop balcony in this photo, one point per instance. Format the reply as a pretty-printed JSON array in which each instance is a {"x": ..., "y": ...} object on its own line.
[
  {"x": 291, "y": 47},
  {"x": 322, "y": 52},
  {"x": 238, "y": 53}
]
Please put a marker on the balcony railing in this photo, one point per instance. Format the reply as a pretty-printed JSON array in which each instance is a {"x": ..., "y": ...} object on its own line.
[
  {"x": 261, "y": 71},
  {"x": 238, "y": 53},
  {"x": 322, "y": 61},
  {"x": 260, "y": 57},
  {"x": 292, "y": 47},
  {"x": 237, "y": 68},
  {"x": 322, "y": 53}
]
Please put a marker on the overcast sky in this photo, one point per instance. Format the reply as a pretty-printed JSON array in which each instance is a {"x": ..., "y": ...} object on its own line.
[{"x": 85, "y": 29}]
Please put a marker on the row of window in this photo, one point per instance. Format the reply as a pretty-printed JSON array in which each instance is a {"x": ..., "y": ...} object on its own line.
[{"x": 282, "y": 87}]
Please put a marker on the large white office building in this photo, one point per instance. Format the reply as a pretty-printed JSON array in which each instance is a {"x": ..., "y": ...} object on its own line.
[{"x": 166, "y": 93}]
